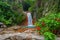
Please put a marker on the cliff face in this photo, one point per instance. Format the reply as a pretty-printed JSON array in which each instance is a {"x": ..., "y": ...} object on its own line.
[{"x": 25, "y": 22}]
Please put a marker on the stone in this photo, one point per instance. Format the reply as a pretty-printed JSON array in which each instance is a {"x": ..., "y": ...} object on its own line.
[{"x": 2, "y": 25}]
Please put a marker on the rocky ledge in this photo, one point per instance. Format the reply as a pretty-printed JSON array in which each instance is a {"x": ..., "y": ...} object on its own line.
[{"x": 20, "y": 36}]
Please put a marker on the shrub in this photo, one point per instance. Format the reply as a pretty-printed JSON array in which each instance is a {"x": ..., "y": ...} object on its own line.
[
  {"x": 49, "y": 36},
  {"x": 49, "y": 24},
  {"x": 9, "y": 16}
]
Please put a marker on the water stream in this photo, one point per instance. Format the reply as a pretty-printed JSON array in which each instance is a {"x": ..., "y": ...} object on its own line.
[{"x": 30, "y": 24}]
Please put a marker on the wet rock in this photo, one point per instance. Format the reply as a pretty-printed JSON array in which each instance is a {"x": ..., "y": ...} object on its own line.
[
  {"x": 19, "y": 36},
  {"x": 1, "y": 29},
  {"x": 14, "y": 38},
  {"x": 8, "y": 38},
  {"x": 2, "y": 25}
]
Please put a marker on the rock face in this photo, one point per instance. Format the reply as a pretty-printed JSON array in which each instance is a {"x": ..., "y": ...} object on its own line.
[
  {"x": 27, "y": 34},
  {"x": 14, "y": 38},
  {"x": 20, "y": 36}
]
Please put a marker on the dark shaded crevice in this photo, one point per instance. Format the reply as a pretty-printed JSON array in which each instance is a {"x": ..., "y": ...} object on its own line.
[{"x": 26, "y": 6}]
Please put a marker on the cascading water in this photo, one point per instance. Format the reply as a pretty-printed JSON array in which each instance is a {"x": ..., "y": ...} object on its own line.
[{"x": 30, "y": 24}]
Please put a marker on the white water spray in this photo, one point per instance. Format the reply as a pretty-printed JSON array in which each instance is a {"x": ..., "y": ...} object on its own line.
[
  {"x": 29, "y": 19},
  {"x": 30, "y": 24}
]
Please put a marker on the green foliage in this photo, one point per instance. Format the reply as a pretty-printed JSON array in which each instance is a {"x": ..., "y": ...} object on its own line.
[
  {"x": 32, "y": 5},
  {"x": 52, "y": 22},
  {"x": 5, "y": 13},
  {"x": 10, "y": 15},
  {"x": 49, "y": 36},
  {"x": 48, "y": 24},
  {"x": 18, "y": 18},
  {"x": 30, "y": 2}
]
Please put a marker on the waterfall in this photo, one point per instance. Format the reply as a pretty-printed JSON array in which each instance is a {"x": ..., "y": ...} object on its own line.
[{"x": 30, "y": 24}]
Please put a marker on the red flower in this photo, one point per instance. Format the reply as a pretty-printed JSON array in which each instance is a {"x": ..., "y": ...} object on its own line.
[
  {"x": 43, "y": 24},
  {"x": 38, "y": 28}
]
